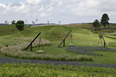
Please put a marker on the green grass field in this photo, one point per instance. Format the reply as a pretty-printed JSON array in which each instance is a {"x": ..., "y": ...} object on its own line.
[{"x": 82, "y": 36}]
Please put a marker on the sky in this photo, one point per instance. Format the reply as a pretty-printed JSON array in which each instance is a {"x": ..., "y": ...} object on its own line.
[{"x": 66, "y": 11}]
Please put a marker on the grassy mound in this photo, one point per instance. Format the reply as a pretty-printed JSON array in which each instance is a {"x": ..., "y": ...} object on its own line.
[
  {"x": 10, "y": 29},
  {"x": 56, "y": 33}
]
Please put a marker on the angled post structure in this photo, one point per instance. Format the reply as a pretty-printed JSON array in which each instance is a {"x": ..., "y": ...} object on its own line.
[
  {"x": 63, "y": 41},
  {"x": 32, "y": 42},
  {"x": 104, "y": 41}
]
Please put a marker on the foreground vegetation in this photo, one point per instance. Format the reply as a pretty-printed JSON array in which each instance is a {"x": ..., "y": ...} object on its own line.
[
  {"x": 81, "y": 37},
  {"x": 43, "y": 70}
]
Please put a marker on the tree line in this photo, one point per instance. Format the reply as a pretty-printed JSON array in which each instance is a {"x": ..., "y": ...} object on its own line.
[{"x": 104, "y": 21}]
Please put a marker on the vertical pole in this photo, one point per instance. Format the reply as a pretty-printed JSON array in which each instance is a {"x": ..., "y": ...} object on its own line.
[
  {"x": 104, "y": 44},
  {"x": 71, "y": 38},
  {"x": 64, "y": 43},
  {"x": 31, "y": 47},
  {"x": 39, "y": 43}
]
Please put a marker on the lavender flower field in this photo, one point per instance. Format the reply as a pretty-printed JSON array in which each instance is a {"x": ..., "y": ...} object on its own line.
[
  {"x": 20, "y": 61},
  {"x": 86, "y": 50},
  {"x": 75, "y": 67}
]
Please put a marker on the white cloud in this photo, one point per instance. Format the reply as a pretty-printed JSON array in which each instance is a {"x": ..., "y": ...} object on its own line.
[
  {"x": 50, "y": 9},
  {"x": 60, "y": 3},
  {"x": 2, "y": 5},
  {"x": 43, "y": 14},
  {"x": 33, "y": 2},
  {"x": 16, "y": 3},
  {"x": 41, "y": 9},
  {"x": 55, "y": 10}
]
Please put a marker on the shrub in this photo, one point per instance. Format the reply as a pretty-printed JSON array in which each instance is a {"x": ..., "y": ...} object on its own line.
[{"x": 20, "y": 25}]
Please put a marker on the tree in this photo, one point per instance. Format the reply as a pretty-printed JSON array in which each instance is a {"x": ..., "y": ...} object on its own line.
[
  {"x": 26, "y": 21},
  {"x": 33, "y": 22},
  {"x": 48, "y": 22},
  {"x": 36, "y": 20},
  {"x": 20, "y": 25},
  {"x": 6, "y": 22},
  {"x": 96, "y": 24},
  {"x": 13, "y": 22},
  {"x": 104, "y": 20},
  {"x": 59, "y": 22}
]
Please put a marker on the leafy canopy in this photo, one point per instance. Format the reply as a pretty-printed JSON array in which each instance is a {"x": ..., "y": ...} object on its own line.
[
  {"x": 20, "y": 25},
  {"x": 104, "y": 20},
  {"x": 13, "y": 22},
  {"x": 96, "y": 23}
]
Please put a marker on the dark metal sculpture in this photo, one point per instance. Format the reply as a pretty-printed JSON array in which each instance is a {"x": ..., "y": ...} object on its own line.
[
  {"x": 63, "y": 41},
  {"x": 104, "y": 41},
  {"x": 32, "y": 42}
]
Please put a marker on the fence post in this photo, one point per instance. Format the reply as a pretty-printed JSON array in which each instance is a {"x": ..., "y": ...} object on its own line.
[{"x": 64, "y": 43}]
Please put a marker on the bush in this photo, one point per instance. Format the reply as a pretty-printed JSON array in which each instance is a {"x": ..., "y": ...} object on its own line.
[{"x": 20, "y": 25}]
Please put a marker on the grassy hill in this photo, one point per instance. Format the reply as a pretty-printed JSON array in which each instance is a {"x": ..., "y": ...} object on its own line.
[
  {"x": 55, "y": 34},
  {"x": 81, "y": 35},
  {"x": 9, "y": 29}
]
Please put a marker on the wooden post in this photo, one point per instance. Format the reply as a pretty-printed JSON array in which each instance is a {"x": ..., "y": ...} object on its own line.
[
  {"x": 104, "y": 41},
  {"x": 104, "y": 44},
  {"x": 64, "y": 38},
  {"x": 32, "y": 41},
  {"x": 64, "y": 43}
]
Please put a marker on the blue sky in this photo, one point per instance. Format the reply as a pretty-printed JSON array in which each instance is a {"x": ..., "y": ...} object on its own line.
[
  {"x": 66, "y": 11},
  {"x": 10, "y": 1}
]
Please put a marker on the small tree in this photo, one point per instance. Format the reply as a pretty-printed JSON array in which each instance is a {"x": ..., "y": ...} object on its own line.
[
  {"x": 96, "y": 24},
  {"x": 26, "y": 21},
  {"x": 13, "y": 22},
  {"x": 6, "y": 22},
  {"x": 36, "y": 20},
  {"x": 20, "y": 25},
  {"x": 104, "y": 20},
  {"x": 48, "y": 22},
  {"x": 33, "y": 22},
  {"x": 59, "y": 22}
]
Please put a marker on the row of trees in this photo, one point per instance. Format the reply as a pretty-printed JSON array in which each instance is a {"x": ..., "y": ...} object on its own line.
[
  {"x": 104, "y": 21},
  {"x": 12, "y": 22}
]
